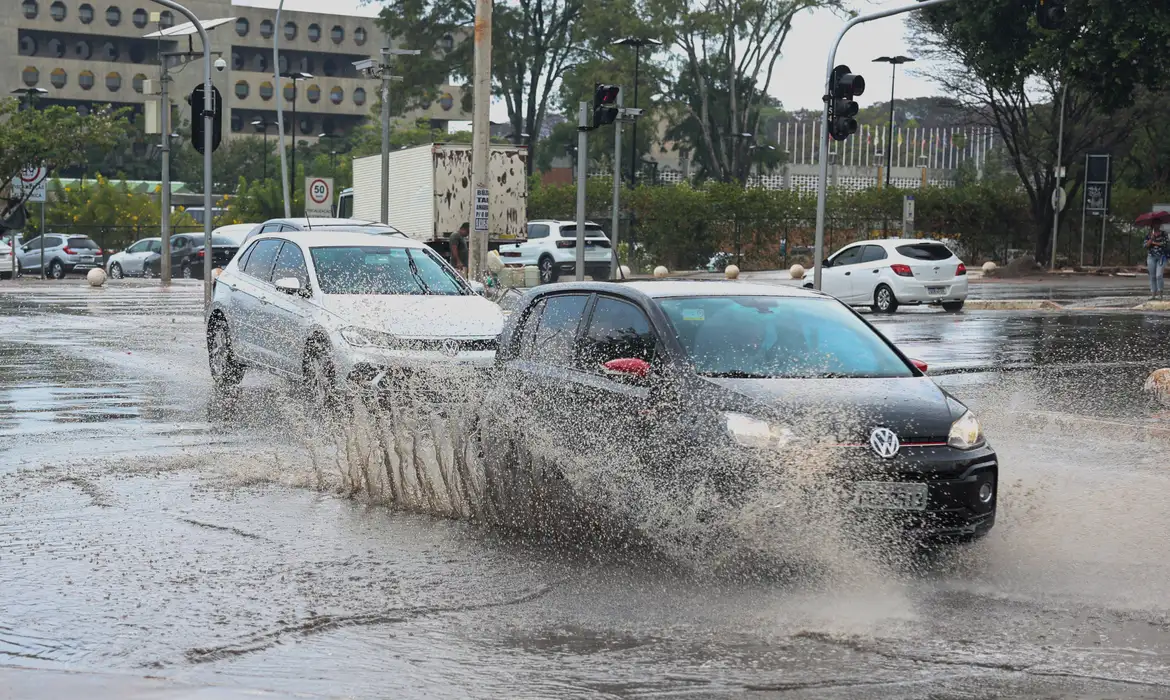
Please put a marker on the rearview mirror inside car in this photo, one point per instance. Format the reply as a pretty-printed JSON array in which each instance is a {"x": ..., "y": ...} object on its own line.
[{"x": 288, "y": 285}]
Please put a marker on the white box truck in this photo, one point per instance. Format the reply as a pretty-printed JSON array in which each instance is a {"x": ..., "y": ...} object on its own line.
[{"x": 430, "y": 190}]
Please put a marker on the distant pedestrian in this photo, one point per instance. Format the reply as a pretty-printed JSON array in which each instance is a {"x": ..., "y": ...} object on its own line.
[
  {"x": 1157, "y": 246},
  {"x": 459, "y": 248}
]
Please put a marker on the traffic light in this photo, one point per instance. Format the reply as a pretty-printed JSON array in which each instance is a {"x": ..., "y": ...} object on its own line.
[
  {"x": 1050, "y": 13},
  {"x": 605, "y": 109},
  {"x": 843, "y": 87},
  {"x": 197, "y": 121}
]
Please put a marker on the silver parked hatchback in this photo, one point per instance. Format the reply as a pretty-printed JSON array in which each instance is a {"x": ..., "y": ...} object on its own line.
[{"x": 63, "y": 254}]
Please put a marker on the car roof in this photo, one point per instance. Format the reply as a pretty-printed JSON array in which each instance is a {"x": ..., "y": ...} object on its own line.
[
  {"x": 662, "y": 289},
  {"x": 899, "y": 241},
  {"x": 335, "y": 238},
  {"x": 562, "y": 222},
  {"x": 310, "y": 223}
]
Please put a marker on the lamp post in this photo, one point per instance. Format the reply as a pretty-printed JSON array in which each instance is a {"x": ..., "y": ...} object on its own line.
[
  {"x": 294, "y": 76},
  {"x": 261, "y": 126},
  {"x": 332, "y": 152},
  {"x": 29, "y": 93},
  {"x": 637, "y": 43},
  {"x": 894, "y": 62}
]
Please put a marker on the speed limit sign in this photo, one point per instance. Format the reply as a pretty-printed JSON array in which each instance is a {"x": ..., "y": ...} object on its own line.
[{"x": 319, "y": 197}]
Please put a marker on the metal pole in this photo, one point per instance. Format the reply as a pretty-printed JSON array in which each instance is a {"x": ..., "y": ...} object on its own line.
[
  {"x": 615, "y": 263},
  {"x": 822, "y": 182},
  {"x": 481, "y": 128},
  {"x": 1104, "y": 212},
  {"x": 1084, "y": 209},
  {"x": 43, "y": 204},
  {"x": 292, "y": 173},
  {"x": 634, "y": 136},
  {"x": 165, "y": 193},
  {"x": 284, "y": 176},
  {"x": 265, "y": 150},
  {"x": 582, "y": 174},
  {"x": 890, "y": 143},
  {"x": 385, "y": 186},
  {"x": 1056, "y": 191}
]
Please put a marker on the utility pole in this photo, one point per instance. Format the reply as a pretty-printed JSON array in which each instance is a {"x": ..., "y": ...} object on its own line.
[
  {"x": 165, "y": 196},
  {"x": 1057, "y": 192},
  {"x": 582, "y": 174},
  {"x": 284, "y": 176},
  {"x": 616, "y": 264},
  {"x": 481, "y": 128}
]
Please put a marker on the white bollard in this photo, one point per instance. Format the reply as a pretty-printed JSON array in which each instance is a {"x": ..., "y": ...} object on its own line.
[
  {"x": 626, "y": 272},
  {"x": 1158, "y": 384},
  {"x": 989, "y": 267},
  {"x": 796, "y": 271},
  {"x": 661, "y": 271},
  {"x": 96, "y": 277},
  {"x": 732, "y": 272}
]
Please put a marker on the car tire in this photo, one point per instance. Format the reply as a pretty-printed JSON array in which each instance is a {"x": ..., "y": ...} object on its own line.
[
  {"x": 185, "y": 271},
  {"x": 884, "y": 301},
  {"x": 548, "y": 270},
  {"x": 56, "y": 270},
  {"x": 226, "y": 371},
  {"x": 116, "y": 272},
  {"x": 953, "y": 307},
  {"x": 320, "y": 379}
]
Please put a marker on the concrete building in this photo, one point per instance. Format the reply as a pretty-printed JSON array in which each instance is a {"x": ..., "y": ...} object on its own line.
[{"x": 92, "y": 52}]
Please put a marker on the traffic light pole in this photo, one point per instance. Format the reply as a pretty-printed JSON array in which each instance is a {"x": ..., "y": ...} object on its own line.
[
  {"x": 822, "y": 181},
  {"x": 582, "y": 174}
]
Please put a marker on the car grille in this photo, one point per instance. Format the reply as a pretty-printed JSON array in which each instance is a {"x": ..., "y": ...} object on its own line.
[{"x": 440, "y": 344}]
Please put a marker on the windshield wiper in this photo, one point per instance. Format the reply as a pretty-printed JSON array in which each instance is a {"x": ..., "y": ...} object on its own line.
[
  {"x": 414, "y": 271},
  {"x": 736, "y": 374}
]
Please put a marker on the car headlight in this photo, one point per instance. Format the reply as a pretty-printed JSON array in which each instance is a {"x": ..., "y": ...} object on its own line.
[
  {"x": 364, "y": 338},
  {"x": 753, "y": 432},
  {"x": 966, "y": 434}
]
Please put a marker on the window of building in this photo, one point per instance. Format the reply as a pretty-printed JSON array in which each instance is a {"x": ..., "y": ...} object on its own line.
[
  {"x": 28, "y": 46},
  {"x": 266, "y": 91},
  {"x": 314, "y": 33},
  {"x": 337, "y": 34},
  {"x": 58, "y": 78},
  {"x": 237, "y": 61},
  {"x": 305, "y": 64},
  {"x": 30, "y": 76},
  {"x": 57, "y": 11},
  {"x": 283, "y": 63},
  {"x": 82, "y": 50},
  {"x": 140, "y": 18},
  {"x": 139, "y": 83},
  {"x": 266, "y": 29},
  {"x": 290, "y": 30},
  {"x": 359, "y": 96},
  {"x": 260, "y": 63},
  {"x": 360, "y": 36},
  {"x": 166, "y": 19},
  {"x": 114, "y": 81},
  {"x": 85, "y": 79},
  {"x": 336, "y": 95},
  {"x": 242, "y": 89},
  {"x": 243, "y": 26},
  {"x": 137, "y": 53},
  {"x": 109, "y": 51},
  {"x": 306, "y": 124},
  {"x": 329, "y": 67},
  {"x": 85, "y": 13},
  {"x": 237, "y": 122},
  {"x": 290, "y": 92},
  {"x": 113, "y": 16},
  {"x": 56, "y": 48},
  {"x": 327, "y": 125},
  {"x": 313, "y": 93},
  {"x": 31, "y": 10}
]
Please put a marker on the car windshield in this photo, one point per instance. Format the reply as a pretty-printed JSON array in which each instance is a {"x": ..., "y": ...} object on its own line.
[
  {"x": 785, "y": 337},
  {"x": 225, "y": 241},
  {"x": 383, "y": 270},
  {"x": 82, "y": 242}
]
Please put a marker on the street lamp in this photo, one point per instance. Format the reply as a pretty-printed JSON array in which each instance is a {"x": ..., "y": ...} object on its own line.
[
  {"x": 29, "y": 92},
  {"x": 637, "y": 43},
  {"x": 332, "y": 152},
  {"x": 261, "y": 126},
  {"x": 294, "y": 76},
  {"x": 894, "y": 62}
]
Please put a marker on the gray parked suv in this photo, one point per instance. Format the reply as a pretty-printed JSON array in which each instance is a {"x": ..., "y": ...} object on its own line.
[{"x": 63, "y": 254}]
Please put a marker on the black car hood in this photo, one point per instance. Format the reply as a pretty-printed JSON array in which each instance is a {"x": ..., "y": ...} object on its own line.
[{"x": 915, "y": 408}]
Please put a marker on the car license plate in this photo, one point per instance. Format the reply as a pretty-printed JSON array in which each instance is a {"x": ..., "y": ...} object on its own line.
[
  {"x": 883, "y": 495},
  {"x": 936, "y": 291}
]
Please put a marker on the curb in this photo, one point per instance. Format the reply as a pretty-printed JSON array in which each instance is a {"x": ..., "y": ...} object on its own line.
[{"x": 1012, "y": 305}]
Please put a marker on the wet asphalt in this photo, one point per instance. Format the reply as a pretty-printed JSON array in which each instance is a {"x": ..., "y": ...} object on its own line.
[{"x": 149, "y": 533}]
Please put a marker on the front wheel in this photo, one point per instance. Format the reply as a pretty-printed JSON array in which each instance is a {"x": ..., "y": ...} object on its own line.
[
  {"x": 57, "y": 270},
  {"x": 226, "y": 370},
  {"x": 116, "y": 272},
  {"x": 953, "y": 307},
  {"x": 548, "y": 271},
  {"x": 185, "y": 271},
  {"x": 884, "y": 301},
  {"x": 147, "y": 273}
]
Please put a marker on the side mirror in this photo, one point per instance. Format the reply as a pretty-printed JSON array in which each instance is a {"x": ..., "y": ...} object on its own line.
[
  {"x": 629, "y": 367},
  {"x": 922, "y": 366},
  {"x": 478, "y": 288},
  {"x": 826, "y": 263},
  {"x": 288, "y": 285}
]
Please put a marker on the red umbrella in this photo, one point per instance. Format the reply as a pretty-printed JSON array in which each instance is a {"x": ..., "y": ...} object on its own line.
[{"x": 1153, "y": 218}]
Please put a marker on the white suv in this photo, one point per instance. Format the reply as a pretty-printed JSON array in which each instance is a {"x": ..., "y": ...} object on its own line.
[
  {"x": 552, "y": 246},
  {"x": 333, "y": 308},
  {"x": 884, "y": 274}
]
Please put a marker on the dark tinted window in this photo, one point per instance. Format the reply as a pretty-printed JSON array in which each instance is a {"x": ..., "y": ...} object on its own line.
[
  {"x": 82, "y": 242},
  {"x": 617, "y": 330},
  {"x": 849, "y": 256},
  {"x": 156, "y": 246},
  {"x": 53, "y": 242},
  {"x": 873, "y": 253},
  {"x": 554, "y": 332},
  {"x": 591, "y": 231},
  {"x": 291, "y": 263},
  {"x": 259, "y": 263},
  {"x": 538, "y": 231},
  {"x": 926, "y": 251}
]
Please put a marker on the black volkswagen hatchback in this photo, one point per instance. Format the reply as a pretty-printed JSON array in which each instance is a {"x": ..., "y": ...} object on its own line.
[{"x": 726, "y": 377}]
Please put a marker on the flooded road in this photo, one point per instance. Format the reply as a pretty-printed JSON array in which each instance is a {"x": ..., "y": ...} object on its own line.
[{"x": 145, "y": 530}]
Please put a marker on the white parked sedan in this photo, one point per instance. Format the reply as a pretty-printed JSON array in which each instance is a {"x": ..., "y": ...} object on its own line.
[
  {"x": 341, "y": 306},
  {"x": 885, "y": 274}
]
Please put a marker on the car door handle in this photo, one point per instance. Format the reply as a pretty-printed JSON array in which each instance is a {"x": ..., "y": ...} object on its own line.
[
  {"x": 876, "y": 271},
  {"x": 848, "y": 273}
]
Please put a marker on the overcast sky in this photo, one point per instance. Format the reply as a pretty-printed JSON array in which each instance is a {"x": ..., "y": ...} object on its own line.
[{"x": 797, "y": 81}]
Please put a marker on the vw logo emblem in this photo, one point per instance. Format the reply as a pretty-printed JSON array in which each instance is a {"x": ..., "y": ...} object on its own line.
[
  {"x": 451, "y": 349},
  {"x": 885, "y": 443}
]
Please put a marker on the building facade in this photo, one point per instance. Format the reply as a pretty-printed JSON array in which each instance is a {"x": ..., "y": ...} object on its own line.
[{"x": 94, "y": 52}]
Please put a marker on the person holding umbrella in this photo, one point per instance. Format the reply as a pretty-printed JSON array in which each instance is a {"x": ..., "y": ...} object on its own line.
[{"x": 1157, "y": 245}]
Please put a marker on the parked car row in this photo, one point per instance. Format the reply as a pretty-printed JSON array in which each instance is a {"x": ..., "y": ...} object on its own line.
[{"x": 685, "y": 373}]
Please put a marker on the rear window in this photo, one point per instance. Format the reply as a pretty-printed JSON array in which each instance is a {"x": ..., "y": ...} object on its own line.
[
  {"x": 926, "y": 251},
  {"x": 591, "y": 231},
  {"x": 82, "y": 242}
]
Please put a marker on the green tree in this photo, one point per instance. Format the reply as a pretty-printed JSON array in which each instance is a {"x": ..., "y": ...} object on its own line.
[{"x": 56, "y": 136}]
